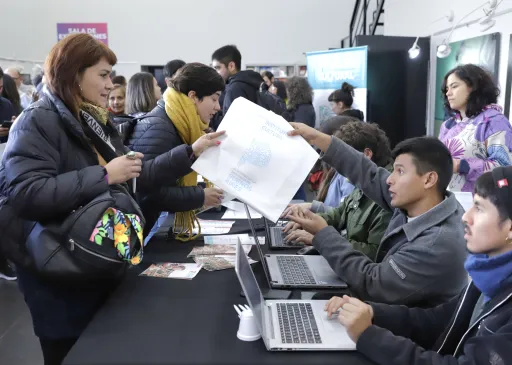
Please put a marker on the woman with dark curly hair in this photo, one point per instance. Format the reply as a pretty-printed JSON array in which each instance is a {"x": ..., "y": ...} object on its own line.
[
  {"x": 479, "y": 136},
  {"x": 300, "y": 101}
]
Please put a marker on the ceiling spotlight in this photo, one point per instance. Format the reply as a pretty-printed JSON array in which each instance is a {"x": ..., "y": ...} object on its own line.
[
  {"x": 443, "y": 50},
  {"x": 414, "y": 51}
]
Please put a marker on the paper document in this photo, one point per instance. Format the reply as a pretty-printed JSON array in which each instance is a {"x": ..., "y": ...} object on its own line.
[
  {"x": 257, "y": 161},
  {"x": 212, "y": 227},
  {"x": 465, "y": 199},
  {"x": 233, "y": 214},
  {"x": 232, "y": 239},
  {"x": 217, "y": 250},
  {"x": 172, "y": 270},
  {"x": 218, "y": 262}
]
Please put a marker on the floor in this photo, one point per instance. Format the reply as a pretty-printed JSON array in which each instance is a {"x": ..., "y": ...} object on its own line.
[{"x": 18, "y": 345}]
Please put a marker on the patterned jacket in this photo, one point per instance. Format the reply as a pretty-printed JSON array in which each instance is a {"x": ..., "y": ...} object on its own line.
[{"x": 481, "y": 143}]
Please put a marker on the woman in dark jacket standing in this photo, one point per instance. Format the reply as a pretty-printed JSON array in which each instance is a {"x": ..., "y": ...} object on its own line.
[
  {"x": 50, "y": 168},
  {"x": 300, "y": 101},
  {"x": 180, "y": 117}
]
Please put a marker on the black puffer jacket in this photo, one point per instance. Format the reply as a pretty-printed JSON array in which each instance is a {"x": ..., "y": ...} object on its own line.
[
  {"x": 443, "y": 335},
  {"x": 244, "y": 83},
  {"x": 354, "y": 113},
  {"x": 304, "y": 113},
  {"x": 153, "y": 135},
  {"x": 49, "y": 169}
]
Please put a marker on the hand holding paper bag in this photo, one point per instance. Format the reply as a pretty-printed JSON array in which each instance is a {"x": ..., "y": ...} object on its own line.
[{"x": 257, "y": 161}]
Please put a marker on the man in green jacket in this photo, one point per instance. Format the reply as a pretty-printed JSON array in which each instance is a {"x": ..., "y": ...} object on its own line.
[{"x": 361, "y": 220}]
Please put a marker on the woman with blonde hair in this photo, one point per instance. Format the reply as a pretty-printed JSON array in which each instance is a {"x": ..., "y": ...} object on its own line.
[{"x": 116, "y": 100}]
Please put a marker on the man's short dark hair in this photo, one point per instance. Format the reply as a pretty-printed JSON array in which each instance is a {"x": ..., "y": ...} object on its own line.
[
  {"x": 361, "y": 136},
  {"x": 428, "y": 154},
  {"x": 487, "y": 188},
  {"x": 1, "y": 72},
  {"x": 228, "y": 54},
  {"x": 172, "y": 66}
]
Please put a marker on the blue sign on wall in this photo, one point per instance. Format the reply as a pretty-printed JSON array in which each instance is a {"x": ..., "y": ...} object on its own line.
[{"x": 329, "y": 69}]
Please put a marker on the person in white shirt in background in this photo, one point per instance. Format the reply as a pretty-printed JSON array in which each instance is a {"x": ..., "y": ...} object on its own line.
[{"x": 25, "y": 91}]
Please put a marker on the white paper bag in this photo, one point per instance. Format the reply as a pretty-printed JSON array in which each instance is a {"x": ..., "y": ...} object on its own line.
[{"x": 257, "y": 161}]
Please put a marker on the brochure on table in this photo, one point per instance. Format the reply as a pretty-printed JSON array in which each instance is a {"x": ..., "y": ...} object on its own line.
[{"x": 257, "y": 161}]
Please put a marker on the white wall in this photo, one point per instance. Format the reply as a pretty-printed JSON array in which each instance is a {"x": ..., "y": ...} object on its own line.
[
  {"x": 412, "y": 18},
  {"x": 152, "y": 32}
]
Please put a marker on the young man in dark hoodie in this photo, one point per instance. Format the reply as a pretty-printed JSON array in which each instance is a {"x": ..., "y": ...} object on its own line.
[
  {"x": 227, "y": 61},
  {"x": 474, "y": 328}
]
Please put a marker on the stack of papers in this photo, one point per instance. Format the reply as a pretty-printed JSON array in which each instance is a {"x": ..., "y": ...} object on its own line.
[
  {"x": 232, "y": 239},
  {"x": 236, "y": 210},
  {"x": 212, "y": 227},
  {"x": 217, "y": 250},
  {"x": 173, "y": 270},
  {"x": 218, "y": 262},
  {"x": 217, "y": 257}
]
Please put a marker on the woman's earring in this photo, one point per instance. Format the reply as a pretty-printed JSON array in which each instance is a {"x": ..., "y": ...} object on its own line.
[{"x": 80, "y": 86}]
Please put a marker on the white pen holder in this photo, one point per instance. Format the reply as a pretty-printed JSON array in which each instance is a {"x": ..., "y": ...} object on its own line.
[{"x": 248, "y": 330}]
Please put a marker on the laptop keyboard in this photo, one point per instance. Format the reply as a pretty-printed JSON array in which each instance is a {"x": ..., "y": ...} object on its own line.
[
  {"x": 297, "y": 323},
  {"x": 278, "y": 239},
  {"x": 294, "y": 270}
]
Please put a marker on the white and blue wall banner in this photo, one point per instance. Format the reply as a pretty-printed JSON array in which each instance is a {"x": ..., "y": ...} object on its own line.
[{"x": 328, "y": 70}]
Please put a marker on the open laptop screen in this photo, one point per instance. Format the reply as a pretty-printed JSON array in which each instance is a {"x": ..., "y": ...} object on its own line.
[{"x": 250, "y": 286}]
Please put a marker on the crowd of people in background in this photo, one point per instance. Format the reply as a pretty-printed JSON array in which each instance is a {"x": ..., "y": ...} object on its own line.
[{"x": 386, "y": 218}]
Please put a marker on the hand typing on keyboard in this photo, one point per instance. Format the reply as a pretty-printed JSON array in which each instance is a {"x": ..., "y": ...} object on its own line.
[
  {"x": 355, "y": 315},
  {"x": 311, "y": 222},
  {"x": 300, "y": 236}
]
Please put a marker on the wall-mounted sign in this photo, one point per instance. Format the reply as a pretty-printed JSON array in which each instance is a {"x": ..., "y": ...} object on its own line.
[{"x": 97, "y": 30}]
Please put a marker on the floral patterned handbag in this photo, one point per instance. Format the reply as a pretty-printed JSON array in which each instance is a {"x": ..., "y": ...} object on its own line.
[{"x": 102, "y": 238}]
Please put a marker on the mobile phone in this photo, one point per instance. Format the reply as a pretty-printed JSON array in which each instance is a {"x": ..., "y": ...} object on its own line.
[{"x": 6, "y": 124}]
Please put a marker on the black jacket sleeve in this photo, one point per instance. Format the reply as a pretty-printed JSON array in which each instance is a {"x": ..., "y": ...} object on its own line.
[
  {"x": 305, "y": 113},
  {"x": 384, "y": 348},
  {"x": 165, "y": 168},
  {"x": 178, "y": 199},
  {"x": 162, "y": 168},
  {"x": 35, "y": 188},
  {"x": 423, "y": 326}
]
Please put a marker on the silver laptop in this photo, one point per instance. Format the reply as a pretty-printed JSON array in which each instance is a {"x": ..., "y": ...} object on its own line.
[
  {"x": 276, "y": 238},
  {"x": 293, "y": 324},
  {"x": 296, "y": 271}
]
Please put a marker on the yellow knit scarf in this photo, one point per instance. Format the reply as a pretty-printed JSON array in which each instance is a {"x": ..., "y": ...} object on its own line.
[
  {"x": 100, "y": 114},
  {"x": 183, "y": 113}
]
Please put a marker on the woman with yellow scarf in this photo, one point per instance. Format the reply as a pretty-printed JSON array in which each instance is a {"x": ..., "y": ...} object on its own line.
[{"x": 182, "y": 116}]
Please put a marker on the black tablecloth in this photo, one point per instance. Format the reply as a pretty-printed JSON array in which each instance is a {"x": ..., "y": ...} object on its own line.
[{"x": 150, "y": 321}]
